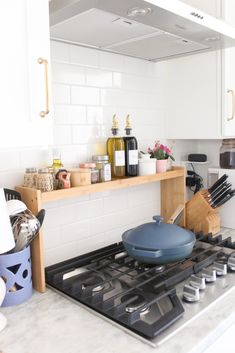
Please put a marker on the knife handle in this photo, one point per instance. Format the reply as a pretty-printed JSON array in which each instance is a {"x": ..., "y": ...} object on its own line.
[
  {"x": 226, "y": 199},
  {"x": 218, "y": 182}
]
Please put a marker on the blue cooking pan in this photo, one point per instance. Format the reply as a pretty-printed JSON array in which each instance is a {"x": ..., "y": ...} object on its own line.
[{"x": 158, "y": 242}]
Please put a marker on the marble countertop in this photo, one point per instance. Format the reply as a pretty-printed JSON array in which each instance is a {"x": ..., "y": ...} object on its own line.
[{"x": 49, "y": 323}]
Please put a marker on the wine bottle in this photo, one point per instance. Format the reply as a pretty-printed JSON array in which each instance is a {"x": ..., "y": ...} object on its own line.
[
  {"x": 116, "y": 152},
  {"x": 131, "y": 151}
]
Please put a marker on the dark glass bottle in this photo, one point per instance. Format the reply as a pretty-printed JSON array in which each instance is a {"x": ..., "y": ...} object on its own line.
[{"x": 131, "y": 151}]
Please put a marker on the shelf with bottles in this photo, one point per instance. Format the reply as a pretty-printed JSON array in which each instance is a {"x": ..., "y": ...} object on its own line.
[
  {"x": 101, "y": 187},
  {"x": 172, "y": 194}
]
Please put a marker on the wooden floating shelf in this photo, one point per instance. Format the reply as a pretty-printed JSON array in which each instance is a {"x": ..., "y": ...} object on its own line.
[
  {"x": 172, "y": 194},
  {"x": 106, "y": 186}
]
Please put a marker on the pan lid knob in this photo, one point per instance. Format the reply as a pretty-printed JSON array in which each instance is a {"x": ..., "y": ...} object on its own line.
[{"x": 158, "y": 219}]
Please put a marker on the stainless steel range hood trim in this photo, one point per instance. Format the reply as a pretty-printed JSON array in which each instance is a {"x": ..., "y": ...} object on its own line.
[
  {"x": 173, "y": 18},
  {"x": 191, "y": 13},
  {"x": 58, "y": 40}
]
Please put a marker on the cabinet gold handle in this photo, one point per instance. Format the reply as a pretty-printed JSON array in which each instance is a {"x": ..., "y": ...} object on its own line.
[
  {"x": 230, "y": 91},
  {"x": 43, "y": 113}
]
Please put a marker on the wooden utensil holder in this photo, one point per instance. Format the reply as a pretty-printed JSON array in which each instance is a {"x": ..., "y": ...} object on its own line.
[{"x": 200, "y": 216}]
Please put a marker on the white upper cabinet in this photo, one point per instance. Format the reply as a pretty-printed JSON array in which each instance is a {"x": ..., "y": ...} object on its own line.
[
  {"x": 192, "y": 90},
  {"x": 228, "y": 76},
  {"x": 25, "y": 83},
  {"x": 190, "y": 97},
  {"x": 200, "y": 89}
]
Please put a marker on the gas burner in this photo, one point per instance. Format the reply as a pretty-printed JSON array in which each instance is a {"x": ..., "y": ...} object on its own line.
[
  {"x": 222, "y": 259},
  {"x": 231, "y": 262},
  {"x": 154, "y": 268},
  {"x": 94, "y": 281},
  {"x": 136, "y": 303}
]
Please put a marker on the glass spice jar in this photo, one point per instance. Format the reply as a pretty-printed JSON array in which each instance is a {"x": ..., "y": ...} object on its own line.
[
  {"x": 227, "y": 154},
  {"x": 94, "y": 171},
  {"x": 30, "y": 177},
  {"x": 103, "y": 166},
  {"x": 44, "y": 180}
]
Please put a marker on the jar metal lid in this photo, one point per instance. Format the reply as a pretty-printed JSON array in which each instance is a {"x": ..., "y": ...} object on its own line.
[
  {"x": 228, "y": 141},
  {"x": 100, "y": 158},
  {"x": 31, "y": 170},
  {"x": 43, "y": 170},
  {"x": 87, "y": 165}
]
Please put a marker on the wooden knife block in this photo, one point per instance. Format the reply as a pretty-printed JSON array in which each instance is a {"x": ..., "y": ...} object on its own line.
[{"x": 200, "y": 216}]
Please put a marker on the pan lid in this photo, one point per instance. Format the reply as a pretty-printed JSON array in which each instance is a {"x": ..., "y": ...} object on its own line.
[{"x": 158, "y": 235}]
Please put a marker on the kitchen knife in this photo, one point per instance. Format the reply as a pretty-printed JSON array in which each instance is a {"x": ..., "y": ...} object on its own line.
[
  {"x": 215, "y": 191},
  {"x": 226, "y": 198},
  {"x": 221, "y": 195},
  {"x": 218, "y": 191},
  {"x": 218, "y": 183}
]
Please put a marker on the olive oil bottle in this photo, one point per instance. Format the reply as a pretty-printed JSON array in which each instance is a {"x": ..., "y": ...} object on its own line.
[
  {"x": 131, "y": 151},
  {"x": 116, "y": 152}
]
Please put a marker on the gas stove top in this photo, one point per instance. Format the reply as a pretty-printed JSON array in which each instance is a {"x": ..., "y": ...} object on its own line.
[{"x": 150, "y": 301}]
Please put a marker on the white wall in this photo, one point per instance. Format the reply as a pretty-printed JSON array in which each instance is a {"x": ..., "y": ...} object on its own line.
[{"x": 89, "y": 87}]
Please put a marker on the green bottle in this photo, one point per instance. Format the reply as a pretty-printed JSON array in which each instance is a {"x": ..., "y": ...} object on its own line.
[{"x": 116, "y": 151}]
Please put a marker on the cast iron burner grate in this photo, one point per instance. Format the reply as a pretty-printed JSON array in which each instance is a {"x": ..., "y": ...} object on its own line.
[{"x": 140, "y": 297}]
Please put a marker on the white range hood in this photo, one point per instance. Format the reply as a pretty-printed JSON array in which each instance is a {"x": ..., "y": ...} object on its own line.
[{"x": 153, "y": 30}]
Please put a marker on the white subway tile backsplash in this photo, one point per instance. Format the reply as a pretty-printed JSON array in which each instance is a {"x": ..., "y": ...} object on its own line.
[
  {"x": 117, "y": 201},
  {"x": 111, "y": 61},
  {"x": 99, "y": 78},
  {"x": 138, "y": 66},
  {"x": 108, "y": 222},
  {"x": 150, "y": 133},
  {"x": 62, "y": 135},
  {"x": 68, "y": 250},
  {"x": 72, "y": 155},
  {"x": 134, "y": 82},
  {"x": 10, "y": 160},
  {"x": 95, "y": 115},
  {"x": 85, "y": 95},
  {"x": 33, "y": 158},
  {"x": 59, "y": 51},
  {"x": 91, "y": 134},
  {"x": 11, "y": 178},
  {"x": 61, "y": 94},
  {"x": 145, "y": 193},
  {"x": 70, "y": 114},
  {"x": 97, "y": 148},
  {"x": 83, "y": 56},
  {"x": 68, "y": 74},
  {"x": 126, "y": 98}
]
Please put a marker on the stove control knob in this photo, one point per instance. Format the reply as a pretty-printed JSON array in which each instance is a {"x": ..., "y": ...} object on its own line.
[
  {"x": 220, "y": 268},
  {"x": 231, "y": 262},
  {"x": 209, "y": 275},
  {"x": 191, "y": 294},
  {"x": 197, "y": 282}
]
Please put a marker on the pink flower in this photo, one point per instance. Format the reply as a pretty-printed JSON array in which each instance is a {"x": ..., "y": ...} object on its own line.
[
  {"x": 157, "y": 145},
  {"x": 160, "y": 151},
  {"x": 168, "y": 151}
]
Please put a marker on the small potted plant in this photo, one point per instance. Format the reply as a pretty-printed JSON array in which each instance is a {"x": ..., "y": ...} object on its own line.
[{"x": 162, "y": 153}]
